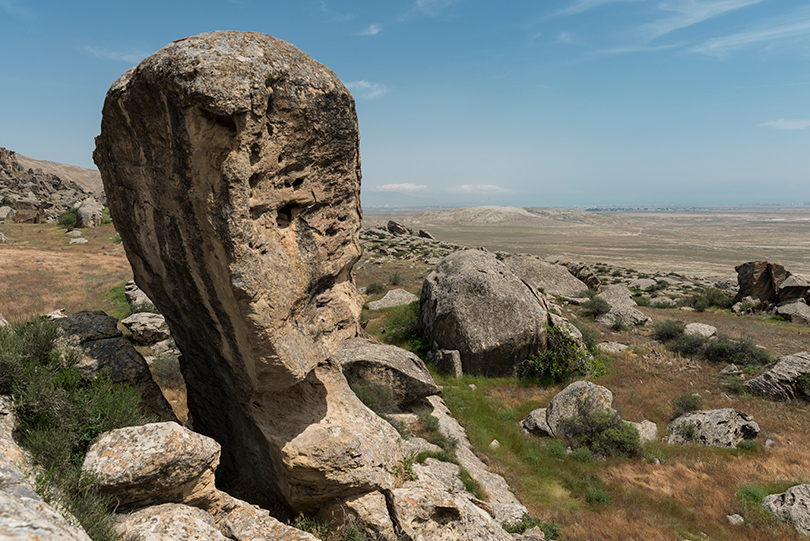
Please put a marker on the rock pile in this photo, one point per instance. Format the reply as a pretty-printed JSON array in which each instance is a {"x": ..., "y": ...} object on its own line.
[{"x": 763, "y": 284}]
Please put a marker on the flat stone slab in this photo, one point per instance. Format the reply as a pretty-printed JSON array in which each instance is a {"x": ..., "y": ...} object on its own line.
[{"x": 395, "y": 297}]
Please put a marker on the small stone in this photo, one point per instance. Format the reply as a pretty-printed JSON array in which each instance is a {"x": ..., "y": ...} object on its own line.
[
  {"x": 494, "y": 444},
  {"x": 78, "y": 241},
  {"x": 75, "y": 233},
  {"x": 735, "y": 520}
]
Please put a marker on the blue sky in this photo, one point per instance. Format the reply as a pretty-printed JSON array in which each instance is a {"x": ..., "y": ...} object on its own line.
[{"x": 464, "y": 102}]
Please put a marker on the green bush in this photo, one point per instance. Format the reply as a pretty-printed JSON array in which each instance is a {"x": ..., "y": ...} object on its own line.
[
  {"x": 395, "y": 279},
  {"x": 375, "y": 288},
  {"x": 166, "y": 371},
  {"x": 470, "y": 484},
  {"x": 707, "y": 297},
  {"x": 734, "y": 385},
  {"x": 688, "y": 344},
  {"x": 668, "y": 330},
  {"x": 740, "y": 352},
  {"x": 604, "y": 433},
  {"x": 68, "y": 219},
  {"x": 556, "y": 448},
  {"x": 748, "y": 446},
  {"x": 583, "y": 454},
  {"x": 803, "y": 386},
  {"x": 688, "y": 431},
  {"x": 552, "y": 530},
  {"x": 590, "y": 337},
  {"x": 562, "y": 359},
  {"x": 595, "y": 307},
  {"x": 752, "y": 494},
  {"x": 377, "y": 398},
  {"x": 685, "y": 403},
  {"x": 597, "y": 496}
]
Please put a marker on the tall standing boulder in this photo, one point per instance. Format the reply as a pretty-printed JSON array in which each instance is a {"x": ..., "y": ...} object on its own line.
[
  {"x": 88, "y": 214},
  {"x": 231, "y": 165},
  {"x": 761, "y": 280},
  {"x": 474, "y": 304}
]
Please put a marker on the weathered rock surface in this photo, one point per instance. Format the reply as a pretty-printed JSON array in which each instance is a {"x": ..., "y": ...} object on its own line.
[
  {"x": 795, "y": 287},
  {"x": 446, "y": 360},
  {"x": 616, "y": 295},
  {"x": 105, "y": 349},
  {"x": 700, "y": 329},
  {"x": 135, "y": 295},
  {"x": 371, "y": 363},
  {"x": 472, "y": 303},
  {"x": 566, "y": 403},
  {"x": 370, "y": 509},
  {"x": 88, "y": 213},
  {"x": 792, "y": 506},
  {"x": 536, "y": 423},
  {"x": 612, "y": 347},
  {"x": 583, "y": 273},
  {"x": 169, "y": 522},
  {"x": 717, "y": 428},
  {"x": 395, "y": 297},
  {"x": 797, "y": 312},
  {"x": 155, "y": 463},
  {"x": 396, "y": 228},
  {"x": 663, "y": 302},
  {"x": 242, "y": 228},
  {"x": 147, "y": 328},
  {"x": 623, "y": 315},
  {"x": 761, "y": 280},
  {"x": 779, "y": 380},
  {"x": 3, "y": 321},
  {"x": 647, "y": 430},
  {"x": 543, "y": 276}
]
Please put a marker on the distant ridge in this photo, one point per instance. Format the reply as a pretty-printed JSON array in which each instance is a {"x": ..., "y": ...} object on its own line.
[
  {"x": 491, "y": 215},
  {"x": 88, "y": 179}
]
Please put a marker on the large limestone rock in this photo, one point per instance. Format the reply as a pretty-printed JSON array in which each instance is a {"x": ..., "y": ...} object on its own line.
[
  {"x": 792, "y": 506},
  {"x": 147, "y": 328},
  {"x": 795, "y": 287},
  {"x": 797, "y": 312},
  {"x": 395, "y": 297},
  {"x": 779, "y": 380},
  {"x": 472, "y": 303},
  {"x": 716, "y": 428},
  {"x": 625, "y": 316},
  {"x": 372, "y": 363},
  {"x": 169, "y": 522},
  {"x": 617, "y": 295},
  {"x": 88, "y": 214},
  {"x": 231, "y": 166},
  {"x": 761, "y": 280},
  {"x": 541, "y": 275},
  {"x": 566, "y": 403}
]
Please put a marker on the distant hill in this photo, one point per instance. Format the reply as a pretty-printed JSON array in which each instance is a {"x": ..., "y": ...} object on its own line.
[
  {"x": 494, "y": 215},
  {"x": 88, "y": 179}
]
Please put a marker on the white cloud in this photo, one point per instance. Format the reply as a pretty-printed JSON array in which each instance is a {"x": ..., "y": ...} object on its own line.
[
  {"x": 367, "y": 90},
  {"x": 691, "y": 12},
  {"x": 131, "y": 57},
  {"x": 433, "y": 7},
  {"x": 477, "y": 188},
  {"x": 580, "y": 6},
  {"x": 783, "y": 124},
  {"x": 778, "y": 30},
  {"x": 565, "y": 37},
  {"x": 13, "y": 7},
  {"x": 406, "y": 187},
  {"x": 372, "y": 30}
]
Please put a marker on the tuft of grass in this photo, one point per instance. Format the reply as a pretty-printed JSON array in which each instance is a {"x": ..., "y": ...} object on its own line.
[
  {"x": 685, "y": 403},
  {"x": 552, "y": 530},
  {"x": 668, "y": 330},
  {"x": 595, "y": 307},
  {"x": 562, "y": 360},
  {"x": 803, "y": 386},
  {"x": 604, "y": 433},
  {"x": 377, "y": 398},
  {"x": 597, "y": 496},
  {"x": 375, "y": 288},
  {"x": 68, "y": 219},
  {"x": 470, "y": 484}
]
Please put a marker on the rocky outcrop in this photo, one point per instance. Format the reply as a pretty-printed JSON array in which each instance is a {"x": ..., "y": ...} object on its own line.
[
  {"x": 104, "y": 349},
  {"x": 169, "y": 522},
  {"x": 617, "y": 295},
  {"x": 395, "y": 297},
  {"x": 779, "y": 380},
  {"x": 794, "y": 288},
  {"x": 796, "y": 311},
  {"x": 761, "y": 280},
  {"x": 624, "y": 316},
  {"x": 717, "y": 428},
  {"x": 566, "y": 403},
  {"x": 792, "y": 506},
  {"x": 88, "y": 213},
  {"x": 700, "y": 329},
  {"x": 396, "y": 228},
  {"x": 446, "y": 360},
  {"x": 242, "y": 228},
  {"x": 371, "y": 363},
  {"x": 147, "y": 328},
  {"x": 583, "y": 273},
  {"x": 474, "y": 304},
  {"x": 546, "y": 277}
]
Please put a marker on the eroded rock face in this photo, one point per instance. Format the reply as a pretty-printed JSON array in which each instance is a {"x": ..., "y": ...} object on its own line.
[
  {"x": 552, "y": 279},
  {"x": 779, "y": 380},
  {"x": 566, "y": 403},
  {"x": 717, "y": 428},
  {"x": 232, "y": 170},
  {"x": 761, "y": 279},
  {"x": 472, "y": 303},
  {"x": 792, "y": 506}
]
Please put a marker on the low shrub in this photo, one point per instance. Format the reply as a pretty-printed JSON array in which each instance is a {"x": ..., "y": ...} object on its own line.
[
  {"x": 604, "y": 433},
  {"x": 734, "y": 385},
  {"x": 470, "y": 484},
  {"x": 688, "y": 344},
  {"x": 166, "y": 371},
  {"x": 597, "y": 496},
  {"x": 377, "y": 398},
  {"x": 402, "y": 328},
  {"x": 583, "y": 454},
  {"x": 562, "y": 359},
  {"x": 688, "y": 431},
  {"x": 395, "y": 279},
  {"x": 803, "y": 386},
  {"x": 707, "y": 297},
  {"x": 685, "y": 403},
  {"x": 740, "y": 352},
  {"x": 375, "y": 288},
  {"x": 590, "y": 337},
  {"x": 748, "y": 446},
  {"x": 556, "y": 448},
  {"x": 434, "y": 434},
  {"x": 552, "y": 530},
  {"x": 751, "y": 494},
  {"x": 68, "y": 219},
  {"x": 668, "y": 330},
  {"x": 595, "y": 307}
]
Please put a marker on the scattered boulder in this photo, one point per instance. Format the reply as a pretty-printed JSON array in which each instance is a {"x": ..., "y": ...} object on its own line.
[
  {"x": 169, "y": 522},
  {"x": 135, "y": 295},
  {"x": 147, "y": 328},
  {"x": 397, "y": 229},
  {"x": 584, "y": 274},
  {"x": 395, "y": 297},
  {"x": 254, "y": 278},
  {"x": 643, "y": 283},
  {"x": 729, "y": 287},
  {"x": 717, "y": 428},
  {"x": 779, "y": 380},
  {"x": 796, "y": 312},
  {"x": 7, "y": 214},
  {"x": 425, "y": 235},
  {"x": 566, "y": 403},
  {"x": 371, "y": 363},
  {"x": 617, "y": 295},
  {"x": 3, "y": 321},
  {"x": 612, "y": 347},
  {"x": 79, "y": 240},
  {"x": 370, "y": 509},
  {"x": 647, "y": 430},
  {"x": 2, "y": 238},
  {"x": 792, "y": 506},
  {"x": 474, "y": 304},
  {"x": 731, "y": 370},
  {"x": 795, "y": 287},
  {"x": 623, "y": 315},
  {"x": 536, "y": 423},
  {"x": 547, "y": 277},
  {"x": 104, "y": 348},
  {"x": 73, "y": 234},
  {"x": 700, "y": 329},
  {"x": 446, "y": 360},
  {"x": 735, "y": 520},
  {"x": 88, "y": 214},
  {"x": 663, "y": 302},
  {"x": 761, "y": 280}
]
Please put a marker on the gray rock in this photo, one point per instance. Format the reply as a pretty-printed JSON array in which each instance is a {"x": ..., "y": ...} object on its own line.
[
  {"x": 7, "y": 213},
  {"x": 735, "y": 520},
  {"x": 472, "y": 303},
  {"x": 566, "y": 403},
  {"x": 2, "y": 238},
  {"x": 761, "y": 280},
  {"x": 31, "y": 519},
  {"x": 89, "y": 213},
  {"x": 147, "y": 328},
  {"x": 617, "y": 295},
  {"x": 73, "y": 234},
  {"x": 169, "y": 522},
  {"x": 792, "y": 506},
  {"x": 731, "y": 370},
  {"x": 583, "y": 273},
  {"x": 716, "y": 428},
  {"x": 623, "y": 315},
  {"x": 395, "y": 297},
  {"x": 700, "y": 329},
  {"x": 3, "y": 321},
  {"x": 643, "y": 283},
  {"x": 795, "y": 286},
  {"x": 425, "y": 235},
  {"x": 396, "y": 228},
  {"x": 663, "y": 302},
  {"x": 647, "y": 430},
  {"x": 446, "y": 360},
  {"x": 155, "y": 463},
  {"x": 537, "y": 424},
  {"x": 778, "y": 380},
  {"x": 78, "y": 241},
  {"x": 371, "y": 363},
  {"x": 796, "y": 312},
  {"x": 368, "y": 509},
  {"x": 546, "y": 277},
  {"x": 135, "y": 295},
  {"x": 729, "y": 287},
  {"x": 612, "y": 347}
]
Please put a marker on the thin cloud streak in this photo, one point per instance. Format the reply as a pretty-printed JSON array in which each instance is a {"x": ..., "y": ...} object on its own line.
[
  {"x": 582, "y": 6},
  {"x": 689, "y": 13},
  {"x": 722, "y": 45},
  {"x": 12, "y": 7},
  {"x": 132, "y": 57},
  {"x": 478, "y": 188},
  {"x": 783, "y": 124},
  {"x": 406, "y": 187},
  {"x": 433, "y": 7},
  {"x": 367, "y": 90},
  {"x": 372, "y": 30}
]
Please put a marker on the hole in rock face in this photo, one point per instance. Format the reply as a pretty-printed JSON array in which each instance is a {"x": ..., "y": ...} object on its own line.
[
  {"x": 226, "y": 122},
  {"x": 255, "y": 153},
  {"x": 297, "y": 183},
  {"x": 286, "y": 214}
]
